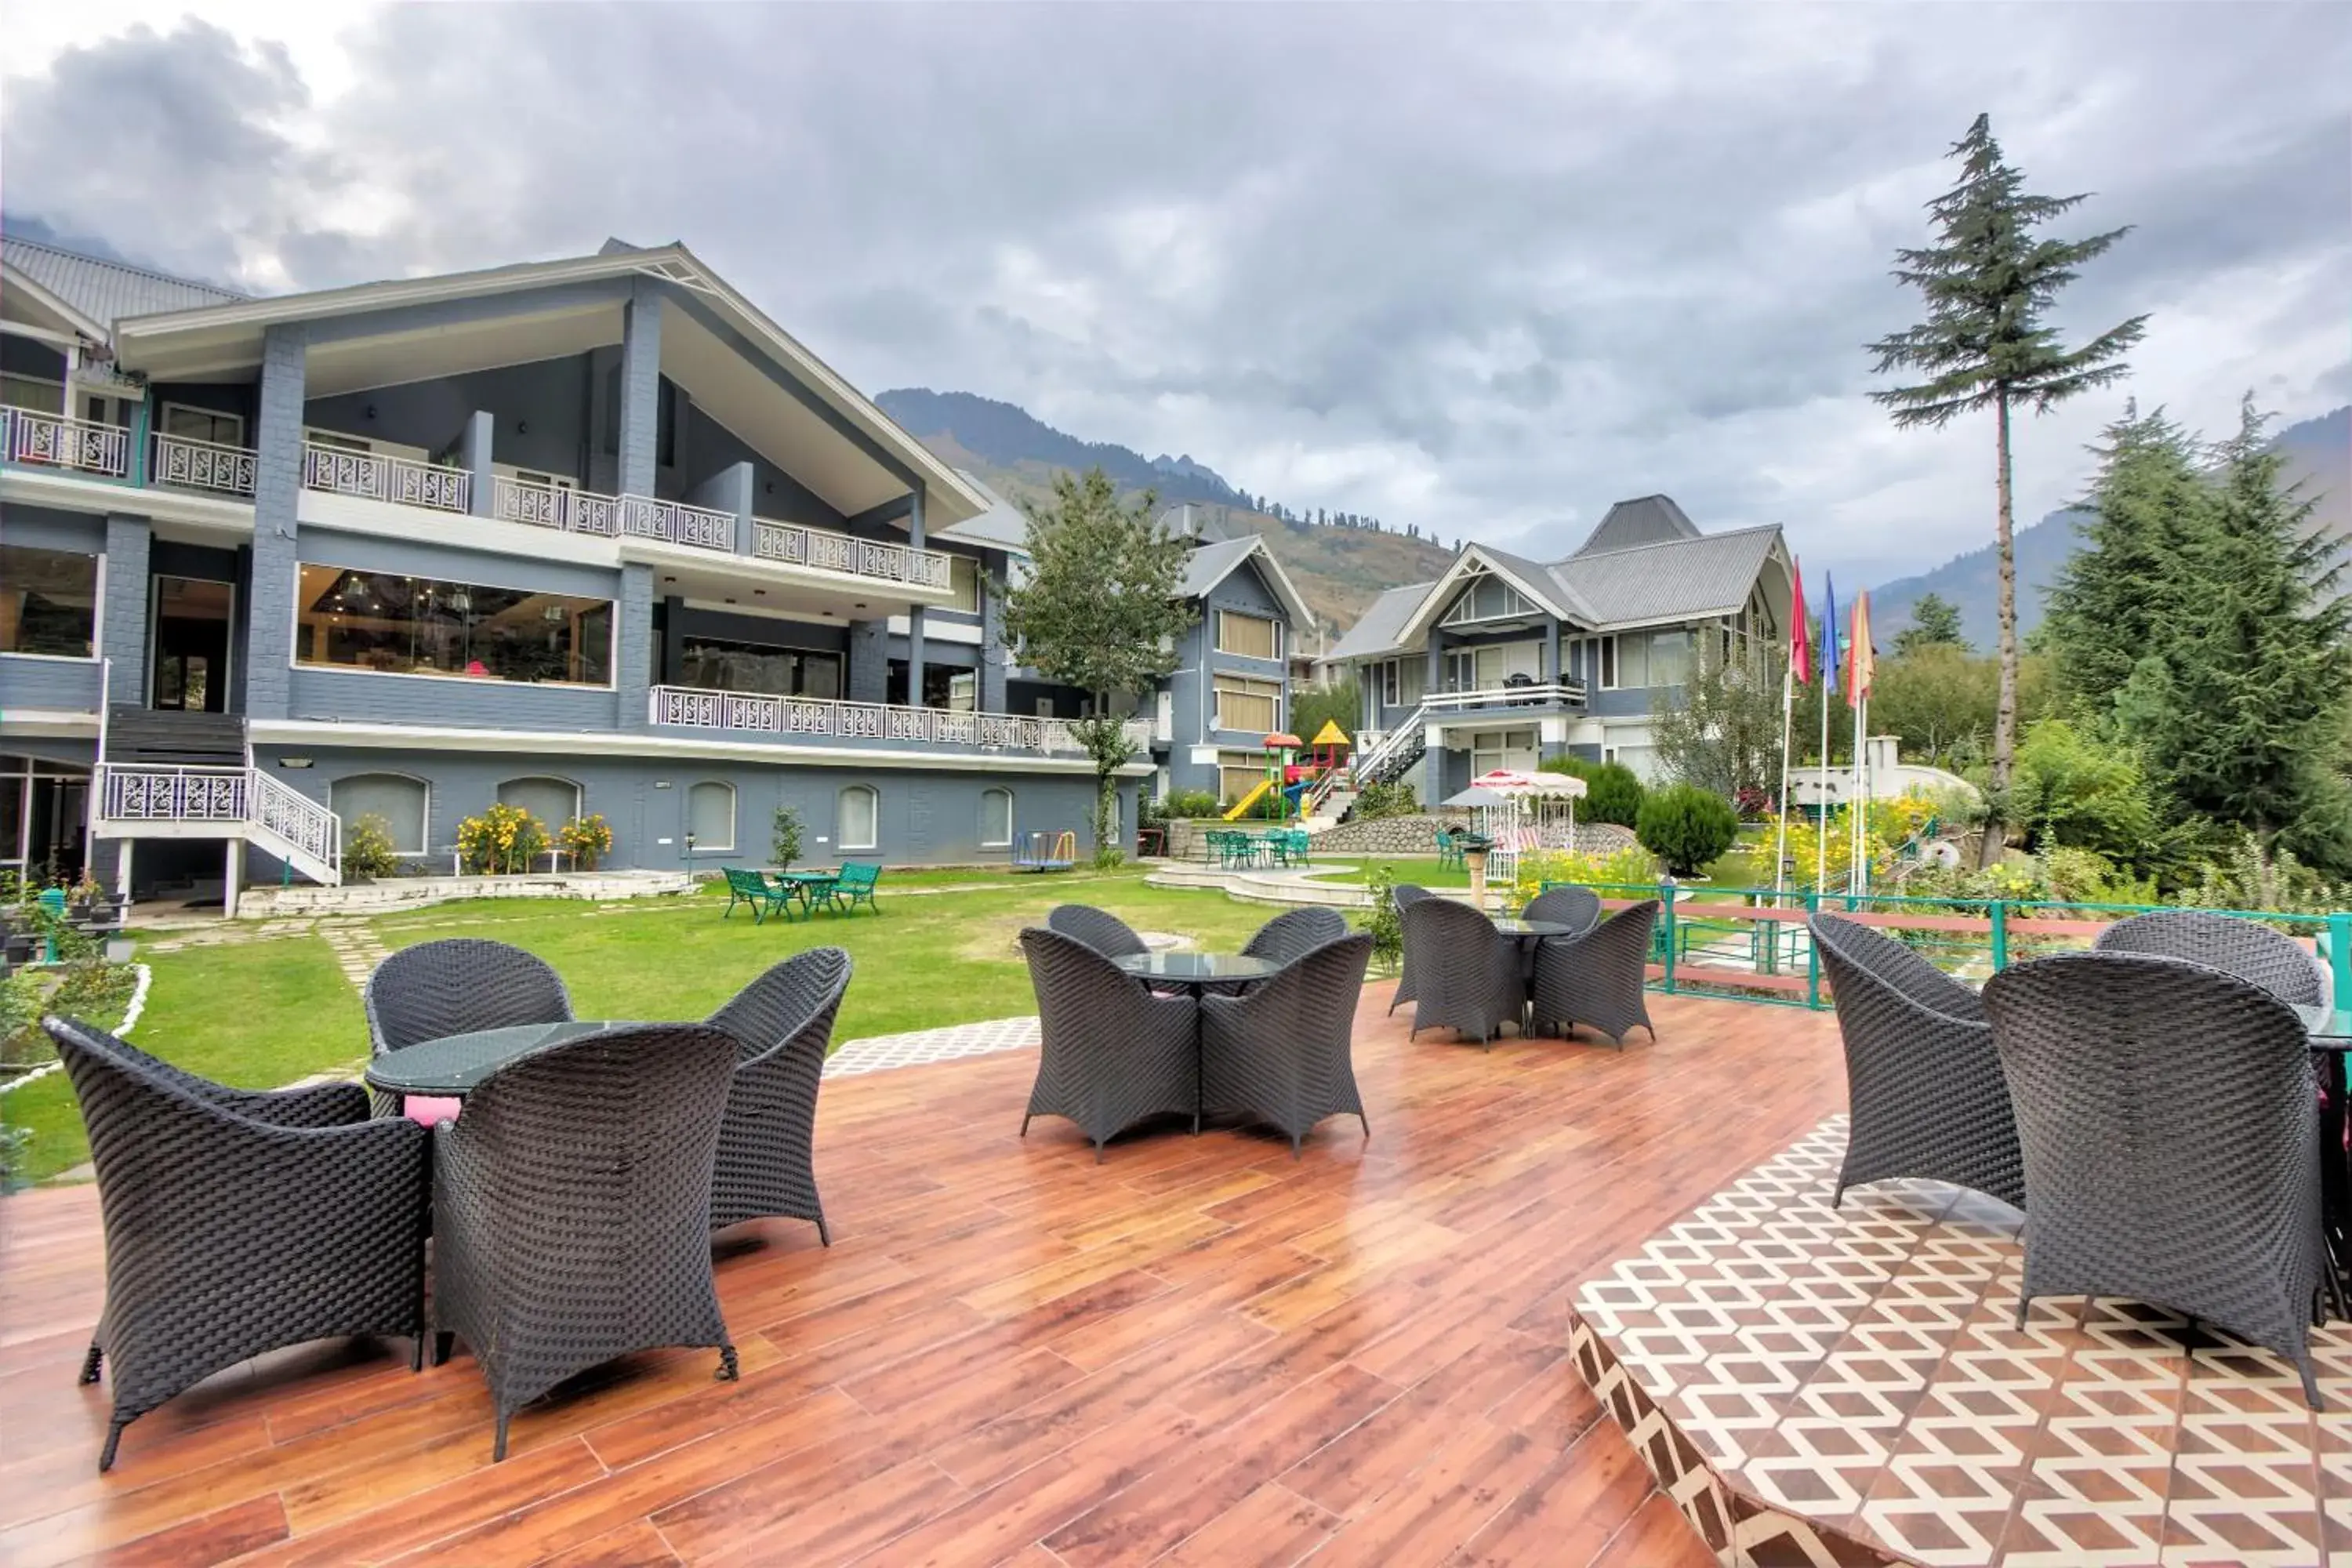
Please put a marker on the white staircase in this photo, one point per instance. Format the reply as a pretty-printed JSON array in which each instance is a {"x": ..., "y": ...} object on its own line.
[{"x": 148, "y": 801}]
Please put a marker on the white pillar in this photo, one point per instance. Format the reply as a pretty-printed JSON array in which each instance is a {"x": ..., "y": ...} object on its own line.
[
  {"x": 123, "y": 872},
  {"x": 236, "y": 863}
]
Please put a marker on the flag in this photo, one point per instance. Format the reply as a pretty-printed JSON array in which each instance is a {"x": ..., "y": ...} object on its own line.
[
  {"x": 1801, "y": 637},
  {"x": 1858, "y": 673},
  {"x": 1832, "y": 650}
]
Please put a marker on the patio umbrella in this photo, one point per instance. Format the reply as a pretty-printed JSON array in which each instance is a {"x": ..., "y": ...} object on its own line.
[
  {"x": 1475, "y": 795},
  {"x": 1512, "y": 782}
]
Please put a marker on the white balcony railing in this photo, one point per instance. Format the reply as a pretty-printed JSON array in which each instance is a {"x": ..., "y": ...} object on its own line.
[
  {"x": 796, "y": 718},
  {"x": 375, "y": 477},
  {"x": 301, "y": 822},
  {"x": 173, "y": 794},
  {"x": 796, "y": 545},
  {"x": 555, "y": 506},
  {"x": 1548, "y": 694},
  {"x": 201, "y": 466},
  {"x": 49, "y": 441},
  {"x": 676, "y": 522},
  {"x": 240, "y": 802}
]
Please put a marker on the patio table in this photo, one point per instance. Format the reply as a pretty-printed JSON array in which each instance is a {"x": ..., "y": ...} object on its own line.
[
  {"x": 455, "y": 1065},
  {"x": 1193, "y": 970},
  {"x": 811, "y": 887}
]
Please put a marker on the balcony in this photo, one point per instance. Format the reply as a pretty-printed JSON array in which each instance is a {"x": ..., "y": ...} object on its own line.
[
  {"x": 372, "y": 476},
  {"x": 822, "y": 719},
  {"x": 1530, "y": 696},
  {"x": 51, "y": 441},
  {"x": 828, "y": 551},
  {"x": 183, "y": 464}
]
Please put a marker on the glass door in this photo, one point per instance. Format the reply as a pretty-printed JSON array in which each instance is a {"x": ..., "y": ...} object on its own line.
[{"x": 191, "y": 617}]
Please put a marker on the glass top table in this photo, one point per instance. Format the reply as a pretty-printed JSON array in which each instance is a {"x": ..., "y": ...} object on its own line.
[
  {"x": 2330, "y": 1028},
  {"x": 1192, "y": 968},
  {"x": 456, "y": 1064},
  {"x": 1534, "y": 927}
]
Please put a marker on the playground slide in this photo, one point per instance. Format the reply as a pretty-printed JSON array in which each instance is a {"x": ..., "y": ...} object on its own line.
[
  {"x": 1294, "y": 793},
  {"x": 1241, "y": 807}
]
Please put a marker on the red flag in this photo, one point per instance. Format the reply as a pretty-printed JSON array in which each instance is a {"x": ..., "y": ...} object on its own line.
[
  {"x": 1801, "y": 635},
  {"x": 1861, "y": 660}
]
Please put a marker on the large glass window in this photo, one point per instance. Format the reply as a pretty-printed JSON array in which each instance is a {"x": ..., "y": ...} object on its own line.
[
  {"x": 964, "y": 581},
  {"x": 401, "y": 802},
  {"x": 1252, "y": 636},
  {"x": 857, "y": 817},
  {"x": 422, "y": 625},
  {"x": 1670, "y": 658},
  {"x": 48, "y": 601},
  {"x": 711, "y": 815},
  {"x": 718, "y": 664},
  {"x": 554, "y": 801},
  {"x": 995, "y": 818},
  {"x": 204, "y": 424},
  {"x": 1250, "y": 705}
]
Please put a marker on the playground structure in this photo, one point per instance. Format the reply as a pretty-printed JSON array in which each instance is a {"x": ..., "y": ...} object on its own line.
[
  {"x": 1288, "y": 780},
  {"x": 1040, "y": 850}
]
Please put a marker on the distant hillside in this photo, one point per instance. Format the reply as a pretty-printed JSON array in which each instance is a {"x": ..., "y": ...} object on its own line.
[
  {"x": 1338, "y": 569},
  {"x": 2319, "y": 457}
]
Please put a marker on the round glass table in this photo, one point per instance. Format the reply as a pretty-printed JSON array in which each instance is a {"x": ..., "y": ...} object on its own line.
[
  {"x": 1196, "y": 968},
  {"x": 454, "y": 1066},
  {"x": 1533, "y": 929}
]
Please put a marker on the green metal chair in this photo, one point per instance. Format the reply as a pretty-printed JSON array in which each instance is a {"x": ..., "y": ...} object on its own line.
[
  {"x": 752, "y": 888},
  {"x": 1449, "y": 851},
  {"x": 855, "y": 886}
]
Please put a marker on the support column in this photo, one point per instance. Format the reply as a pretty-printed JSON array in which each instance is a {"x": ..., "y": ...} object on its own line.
[
  {"x": 474, "y": 457},
  {"x": 991, "y": 640},
  {"x": 915, "y": 613},
  {"x": 1551, "y": 654},
  {"x": 123, "y": 872},
  {"x": 868, "y": 679},
  {"x": 230, "y": 872},
  {"x": 673, "y": 659},
  {"x": 640, "y": 411},
  {"x": 276, "y": 500},
  {"x": 635, "y": 653},
  {"x": 122, "y": 620}
]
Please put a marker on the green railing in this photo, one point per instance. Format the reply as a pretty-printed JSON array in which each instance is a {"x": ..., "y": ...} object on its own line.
[{"x": 1749, "y": 943}]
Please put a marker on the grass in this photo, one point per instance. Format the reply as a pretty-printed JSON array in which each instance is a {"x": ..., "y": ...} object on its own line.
[
  {"x": 1422, "y": 871},
  {"x": 261, "y": 1014}
]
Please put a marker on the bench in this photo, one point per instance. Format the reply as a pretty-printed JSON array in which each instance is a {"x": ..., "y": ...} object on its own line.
[{"x": 752, "y": 888}]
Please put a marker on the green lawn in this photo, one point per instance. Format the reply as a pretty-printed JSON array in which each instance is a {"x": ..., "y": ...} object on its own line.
[
  {"x": 1422, "y": 871},
  {"x": 266, "y": 1013}
]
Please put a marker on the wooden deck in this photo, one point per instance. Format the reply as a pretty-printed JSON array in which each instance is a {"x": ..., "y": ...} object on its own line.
[{"x": 1198, "y": 1352}]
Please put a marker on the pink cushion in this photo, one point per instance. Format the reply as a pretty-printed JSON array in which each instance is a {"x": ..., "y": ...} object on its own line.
[{"x": 424, "y": 1110}]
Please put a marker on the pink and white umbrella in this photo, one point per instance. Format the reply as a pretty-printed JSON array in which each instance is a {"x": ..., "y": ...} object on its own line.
[{"x": 1512, "y": 782}]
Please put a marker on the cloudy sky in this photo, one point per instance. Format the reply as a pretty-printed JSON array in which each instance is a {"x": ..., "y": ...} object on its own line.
[{"x": 1482, "y": 269}]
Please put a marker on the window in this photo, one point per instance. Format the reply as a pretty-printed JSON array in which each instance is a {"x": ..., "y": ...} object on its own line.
[
  {"x": 1251, "y": 636},
  {"x": 711, "y": 815},
  {"x": 1492, "y": 749},
  {"x": 718, "y": 664},
  {"x": 420, "y": 625},
  {"x": 35, "y": 393},
  {"x": 1488, "y": 599},
  {"x": 1255, "y": 706},
  {"x": 857, "y": 817},
  {"x": 554, "y": 801},
  {"x": 963, "y": 582},
  {"x": 204, "y": 424},
  {"x": 1670, "y": 658},
  {"x": 1238, "y": 773},
  {"x": 956, "y": 690},
  {"x": 995, "y": 818},
  {"x": 1389, "y": 682},
  {"x": 400, "y": 801},
  {"x": 1488, "y": 668},
  {"x": 48, "y": 601}
]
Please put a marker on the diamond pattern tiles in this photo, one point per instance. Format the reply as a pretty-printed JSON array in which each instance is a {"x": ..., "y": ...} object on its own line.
[{"x": 1819, "y": 1387}]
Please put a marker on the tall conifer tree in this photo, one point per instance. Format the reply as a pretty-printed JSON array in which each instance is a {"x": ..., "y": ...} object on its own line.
[{"x": 2115, "y": 599}]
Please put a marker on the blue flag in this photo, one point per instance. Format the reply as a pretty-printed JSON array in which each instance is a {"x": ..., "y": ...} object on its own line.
[{"x": 1833, "y": 642}]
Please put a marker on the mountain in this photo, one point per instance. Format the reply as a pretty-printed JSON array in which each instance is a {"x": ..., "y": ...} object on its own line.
[
  {"x": 2319, "y": 457},
  {"x": 1338, "y": 569}
]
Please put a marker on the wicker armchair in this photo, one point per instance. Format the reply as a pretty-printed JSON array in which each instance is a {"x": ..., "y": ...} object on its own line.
[
  {"x": 572, "y": 1208},
  {"x": 1290, "y": 937},
  {"x": 1111, "y": 1053},
  {"x": 456, "y": 986},
  {"x": 2170, "y": 1128},
  {"x": 238, "y": 1223},
  {"x": 782, "y": 1026},
  {"x": 1098, "y": 928},
  {"x": 1597, "y": 978},
  {"x": 1465, "y": 973},
  {"x": 1404, "y": 895},
  {"x": 1281, "y": 1055},
  {"x": 2247, "y": 949},
  {"x": 1923, "y": 1085},
  {"x": 1577, "y": 909}
]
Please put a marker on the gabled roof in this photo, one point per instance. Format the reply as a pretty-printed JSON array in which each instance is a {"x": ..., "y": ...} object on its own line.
[
  {"x": 1380, "y": 627},
  {"x": 1004, "y": 526},
  {"x": 1645, "y": 519},
  {"x": 102, "y": 291},
  {"x": 1212, "y": 563},
  {"x": 1679, "y": 579}
]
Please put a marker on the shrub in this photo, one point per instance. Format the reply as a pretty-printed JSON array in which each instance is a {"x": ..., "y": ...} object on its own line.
[
  {"x": 1631, "y": 866},
  {"x": 588, "y": 838},
  {"x": 1378, "y": 800},
  {"x": 367, "y": 849},
  {"x": 1612, "y": 791},
  {"x": 784, "y": 837},
  {"x": 1189, "y": 802},
  {"x": 502, "y": 841},
  {"x": 1687, "y": 828},
  {"x": 1382, "y": 920}
]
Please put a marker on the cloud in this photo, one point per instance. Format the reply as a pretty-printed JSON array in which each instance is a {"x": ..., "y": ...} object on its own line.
[{"x": 1484, "y": 269}]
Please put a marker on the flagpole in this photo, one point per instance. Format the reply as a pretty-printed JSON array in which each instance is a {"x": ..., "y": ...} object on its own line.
[
  {"x": 1788, "y": 712},
  {"x": 1821, "y": 801},
  {"x": 1858, "y": 829}
]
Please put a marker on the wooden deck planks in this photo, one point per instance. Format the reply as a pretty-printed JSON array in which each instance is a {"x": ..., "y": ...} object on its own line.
[{"x": 1200, "y": 1350}]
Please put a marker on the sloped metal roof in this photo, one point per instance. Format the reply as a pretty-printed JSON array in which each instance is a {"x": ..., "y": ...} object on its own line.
[
  {"x": 1211, "y": 564},
  {"x": 107, "y": 291},
  {"x": 1376, "y": 629},
  {"x": 1003, "y": 525},
  {"x": 1676, "y": 579},
  {"x": 1645, "y": 520}
]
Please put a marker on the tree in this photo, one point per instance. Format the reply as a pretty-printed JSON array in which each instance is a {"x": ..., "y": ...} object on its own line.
[
  {"x": 1722, "y": 730},
  {"x": 1341, "y": 703},
  {"x": 2115, "y": 597},
  {"x": 1687, "y": 828},
  {"x": 1612, "y": 791},
  {"x": 1934, "y": 623},
  {"x": 1988, "y": 284},
  {"x": 1100, "y": 612}
]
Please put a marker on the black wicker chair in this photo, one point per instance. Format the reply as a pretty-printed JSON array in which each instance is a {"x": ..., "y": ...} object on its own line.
[
  {"x": 1579, "y": 908},
  {"x": 2171, "y": 1128},
  {"x": 1290, "y": 937},
  {"x": 236, "y": 1222},
  {"x": 1111, "y": 1053},
  {"x": 2247, "y": 949},
  {"x": 1404, "y": 895},
  {"x": 1098, "y": 928},
  {"x": 782, "y": 1026},
  {"x": 1465, "y": 972},
  {"x": 1924, "y": 1088},
  {"x": 1282, "y": 1055},
  {"x": 1598, "y": 978},
  {"x": 456, "y": 986},
  {"x": 572, "y": 1208}
]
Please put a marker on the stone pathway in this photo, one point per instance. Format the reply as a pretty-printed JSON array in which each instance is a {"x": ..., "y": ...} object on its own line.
[{"x": 356, "y": 949}]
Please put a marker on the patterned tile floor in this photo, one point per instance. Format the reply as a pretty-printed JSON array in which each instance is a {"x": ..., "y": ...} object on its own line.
[
  {"x": 1816, "y": 1385},
  {"x": 878, "y": 1052}
]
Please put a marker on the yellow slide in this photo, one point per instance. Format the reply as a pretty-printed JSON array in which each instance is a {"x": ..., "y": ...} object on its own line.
[{"x": 1241, "y": 807}]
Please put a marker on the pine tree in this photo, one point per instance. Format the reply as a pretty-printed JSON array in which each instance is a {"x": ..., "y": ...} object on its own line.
[
  {"x": 1934, "y": 623},
  {"x": 1987, "y": 283},
  {"x": 2114, "y": 599}
]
